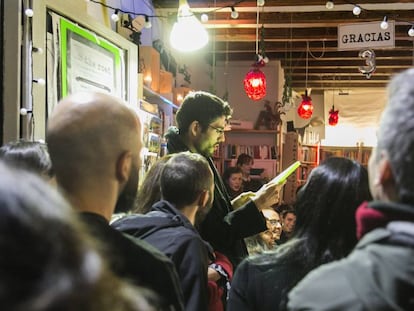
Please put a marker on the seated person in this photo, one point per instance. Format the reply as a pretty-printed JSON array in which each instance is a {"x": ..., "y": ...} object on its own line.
[
  {"x": 245, "y": 162},
  {"x": 233, "y": 181},
  {"x": 187, "y": 192},
  {"x": 266, "y": 240},
  {"x": 47, "y": 261}
]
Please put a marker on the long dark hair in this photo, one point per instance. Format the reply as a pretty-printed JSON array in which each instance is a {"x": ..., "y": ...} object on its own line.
[{"x": 325, "y": 224}]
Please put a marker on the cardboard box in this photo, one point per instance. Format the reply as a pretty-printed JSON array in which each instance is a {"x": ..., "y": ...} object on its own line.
[
  {"x": 179, "y": 93},
  {"x": 241, "y": 124},
  {"x": 149, "y": 64},
  {"x": 166, "y": 82}
]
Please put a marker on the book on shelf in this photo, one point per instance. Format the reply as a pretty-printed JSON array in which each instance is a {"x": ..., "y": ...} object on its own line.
[{"x": 232, "y": 151}]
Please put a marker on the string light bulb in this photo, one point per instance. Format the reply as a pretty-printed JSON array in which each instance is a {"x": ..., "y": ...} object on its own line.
[
  {"x": 28, "y": 12},
  {"x": 234, "y": 14},
  {"x": 115, "y": 17},
  {"x": 147, "y": 23},
  {"x": 260, "y": 2},
  {"x": 384, "y": 23},
  {"x": 356, "y": 10},
  {"x": 204, "y": 18},
  {"x": 411, "y": 31},
  {"x": 329, "y": 5}
]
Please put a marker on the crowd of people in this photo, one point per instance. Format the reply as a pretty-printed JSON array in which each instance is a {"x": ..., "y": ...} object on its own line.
[{"x": 77, "y": 233}]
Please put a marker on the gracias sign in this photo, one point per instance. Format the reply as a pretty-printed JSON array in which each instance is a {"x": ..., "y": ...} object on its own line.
[{"x": 365, "y": 35}]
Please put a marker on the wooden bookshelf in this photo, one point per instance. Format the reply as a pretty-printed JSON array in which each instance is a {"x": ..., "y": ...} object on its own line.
[{"x": 360, "y": 153}]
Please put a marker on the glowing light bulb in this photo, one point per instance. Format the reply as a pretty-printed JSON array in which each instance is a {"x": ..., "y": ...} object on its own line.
[
  {"x": 411, "y": 31},
  {"x": 329, "y": 5},
  {"x": 384, "y": 23},
  {"x": 115, "y": 16},
  {"x": 28, "y": 12},
  {"x": 356, "y": 10},
  {"x": 204, "y": 18},
  {"x": 260, "y": 2},
  {"x": 147, "y": 23},
  {"x": 234, "y": 13}
]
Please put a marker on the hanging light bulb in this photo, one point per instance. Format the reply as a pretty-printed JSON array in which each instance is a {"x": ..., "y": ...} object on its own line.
[
  {"x": 204, "y": 18},
  {"x": 234, "y": 13},
  {"x": 333, "y": 116},
  {"x": 28, "y": 12},
  {"x": 187, "y": 34},
  {"x": 356, "y": 10},
  {"x": 147, "y": 23},
  {"x": 305, "y": 108},
  {"x": 411, "y": 31},
  {"x": 255, "y": 84},
  {"x": 115, "y": 16},
  {"x": 384, "y": 23},
  {"x": 329, "y": 5},
  {"x": 260, "y": 2}
]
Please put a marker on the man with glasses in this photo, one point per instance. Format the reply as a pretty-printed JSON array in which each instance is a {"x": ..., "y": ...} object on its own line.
[{"x": 202, "y": 120}]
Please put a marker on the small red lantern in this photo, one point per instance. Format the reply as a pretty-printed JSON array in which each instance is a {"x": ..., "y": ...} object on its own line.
[
  {"x": 333, "y": 116},
  {"x": 305, "y": 108},
  {"x": 255, "y": 84}
]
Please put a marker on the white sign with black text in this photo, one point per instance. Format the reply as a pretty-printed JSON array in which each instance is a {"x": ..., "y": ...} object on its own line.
[{"x": 365, "y": 35}]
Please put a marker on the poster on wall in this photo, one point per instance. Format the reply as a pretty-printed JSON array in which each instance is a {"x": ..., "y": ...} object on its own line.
[{"x": 89, "y": 62}]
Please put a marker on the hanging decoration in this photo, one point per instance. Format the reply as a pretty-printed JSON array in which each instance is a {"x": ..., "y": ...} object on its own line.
[
  {"x": 305, "y": 108},
  {"x": 333, "y": 116},
  {"x": 255, "y": 80}
]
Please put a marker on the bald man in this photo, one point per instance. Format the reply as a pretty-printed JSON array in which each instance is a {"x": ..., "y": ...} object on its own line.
[{"x": 94, "y": 142}]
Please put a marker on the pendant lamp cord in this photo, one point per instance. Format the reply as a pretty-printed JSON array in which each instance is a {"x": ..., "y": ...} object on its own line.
[
  {"x": 306, "y": 81},
  {"x": 257, "y": 30}
]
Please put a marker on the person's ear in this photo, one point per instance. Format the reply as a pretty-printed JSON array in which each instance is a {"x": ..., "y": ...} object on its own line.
[
  {"x": 203, "y": 198},
  {"x": 385, "y": 174},
  {"x": 194, "y": 128},
  {"x": 123, "y": 166}
]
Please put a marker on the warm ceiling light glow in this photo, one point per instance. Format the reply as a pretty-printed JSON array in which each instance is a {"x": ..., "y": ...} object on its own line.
[
  {"x": 204, "y": 18},
  {"x": 187, "y": 34},
  {"x": 411, "y": 31},
  {"x": 115, "y": 16},
  {"x": 234, "y": 13},
  {"x": 260, "y": 2},
  {"x": 333, "y": 116},
  {"x": 305, "y": 108},
  {"x": 147, "y": 23}
]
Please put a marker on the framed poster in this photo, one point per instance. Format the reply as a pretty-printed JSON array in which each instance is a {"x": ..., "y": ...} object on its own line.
[{"x": 89, "y": 62}]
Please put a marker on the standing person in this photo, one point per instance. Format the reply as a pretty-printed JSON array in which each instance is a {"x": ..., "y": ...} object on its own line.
[
  {"x": 288, "y": 225},
  {"x": 324, "y": 232},
  {"x": 202, "y": 119},
  {"x": 378, "y": 274},
  {"x": 94, "y": 142},
  {"x": 245, "y": 162},
  {"x": 187, "y": 193},
  {"x": 233, "y": 181}
]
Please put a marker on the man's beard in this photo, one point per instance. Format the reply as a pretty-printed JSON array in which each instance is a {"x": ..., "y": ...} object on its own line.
[{"x": 127, "y": 199}]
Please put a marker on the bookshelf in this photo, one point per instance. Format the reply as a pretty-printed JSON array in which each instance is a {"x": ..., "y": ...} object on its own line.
[
  {"x": 307, "y": 154},
  {"x": 358, "y": 153},
  {"x": 263, "y": 145}
]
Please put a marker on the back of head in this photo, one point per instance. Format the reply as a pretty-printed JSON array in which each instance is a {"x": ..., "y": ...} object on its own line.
[
  {"x": 184, "y": 177},
  {"x": 202, "y": 107},
  {"x": 150, "y": 190},
  {"x": 28, "y": 155},
  {"x": 86, "y": 134},
  {"x": 396, "y": 133},
  {"x": 244, "y": 158},
  {"x": 327, "y": 203}
]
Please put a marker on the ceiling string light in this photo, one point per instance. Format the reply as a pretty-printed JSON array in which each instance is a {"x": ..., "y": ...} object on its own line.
[
  {"x": 187, "y": 34},
  {"x": 234, "y": 14},
  {"x": 356, "y": 10},
  {"x": 384, "y": 23},
  {"x": 329, "y": 5},
  {"x": 255, "y": 80},
  {"x": 305, "y": 108}
]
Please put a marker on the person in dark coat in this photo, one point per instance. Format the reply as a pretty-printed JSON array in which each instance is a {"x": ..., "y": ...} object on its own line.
[
  {"x": 187, "y": 193},
  {"x": 202, "y": 120},
  {"x": 378, "y": 274},
  {"x": 94, "y": 144},
  {"x": 324, "y": 232}
]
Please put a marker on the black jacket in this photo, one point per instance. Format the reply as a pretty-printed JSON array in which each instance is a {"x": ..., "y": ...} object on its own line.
[
  {"x": 170, "y": 231},
  {"x": 223, "y": 227},
  {"x": 377, "y": 275},
  {"x": 136, "y": 261}
]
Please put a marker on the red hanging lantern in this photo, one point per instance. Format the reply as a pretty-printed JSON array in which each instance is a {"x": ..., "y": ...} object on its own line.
[
  {"x": 305, "y": 108},
  {"x": 255, "y": 84},
  {"x": 333, "y": 116}
]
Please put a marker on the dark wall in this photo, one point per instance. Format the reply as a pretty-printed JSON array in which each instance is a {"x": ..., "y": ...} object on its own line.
[{"x": 1, "y": 70}]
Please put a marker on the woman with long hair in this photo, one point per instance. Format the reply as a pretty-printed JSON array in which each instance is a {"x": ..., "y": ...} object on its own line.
[{"x": 325, "y": 231}]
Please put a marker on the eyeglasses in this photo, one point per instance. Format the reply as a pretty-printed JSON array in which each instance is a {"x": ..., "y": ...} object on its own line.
[
  {"x": 219, "y": 130},
  {"x": 274, "y": 222}
]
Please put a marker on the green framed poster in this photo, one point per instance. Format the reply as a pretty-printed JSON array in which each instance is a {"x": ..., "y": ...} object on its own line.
[{"x": 89, "y": 62}]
